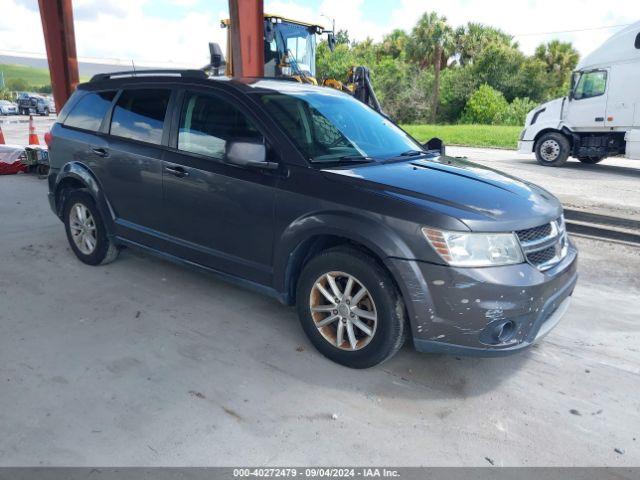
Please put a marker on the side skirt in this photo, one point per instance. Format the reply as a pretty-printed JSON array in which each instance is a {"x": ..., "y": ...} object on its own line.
[{"x": 241, "y": 282}]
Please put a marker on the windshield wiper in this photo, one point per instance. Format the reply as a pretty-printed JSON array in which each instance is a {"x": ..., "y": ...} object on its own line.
[
  {"x": 346, "y": 159},
  {"x": 412, "y": 153}
]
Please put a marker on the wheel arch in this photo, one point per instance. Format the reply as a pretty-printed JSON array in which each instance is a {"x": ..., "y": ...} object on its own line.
[
  {"x": 300, "y": 243},
  {"x": 76, "y": 175},
  {"x": 563, "y": 131}
]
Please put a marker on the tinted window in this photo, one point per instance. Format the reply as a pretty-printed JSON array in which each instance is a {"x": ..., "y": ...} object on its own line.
[
  {"x": 139, "y": 114},
  {"x": 90, "y": 110},
  {"x": 207, "y": 123},
  {"x": 591, "y": 84}
]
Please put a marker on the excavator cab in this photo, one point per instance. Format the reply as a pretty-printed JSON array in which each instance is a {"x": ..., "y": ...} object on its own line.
[
  {"x": 289, "y": 48},
  {"x": 290, "y": 52}
]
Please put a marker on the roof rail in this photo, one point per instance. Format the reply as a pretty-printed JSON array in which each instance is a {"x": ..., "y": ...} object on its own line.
[{"x": 149, "y": 73}]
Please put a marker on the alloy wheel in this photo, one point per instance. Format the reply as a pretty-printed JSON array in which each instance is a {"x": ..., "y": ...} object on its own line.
[
  {"x": 83, "y": 228},
  {"x": 343, "y": 311}
]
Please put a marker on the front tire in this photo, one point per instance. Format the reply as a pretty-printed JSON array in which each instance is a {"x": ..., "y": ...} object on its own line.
[
  {"x": 85, "y": 229},
  {"x": 350, "y": 308},
  {"x": 552, "y": 149}
]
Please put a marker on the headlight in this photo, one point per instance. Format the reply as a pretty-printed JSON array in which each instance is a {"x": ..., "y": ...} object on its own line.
[{"x": 461, "y": 249}]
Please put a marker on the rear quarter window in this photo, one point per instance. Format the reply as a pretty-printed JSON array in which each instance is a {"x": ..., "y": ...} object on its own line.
[{"x": 90, "y": 110}]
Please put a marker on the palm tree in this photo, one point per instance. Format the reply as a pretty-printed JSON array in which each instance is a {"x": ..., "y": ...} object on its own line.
[
  {"x": 431, "y": 43},
  {"x": 474, "y": 37},
  {"x": 559, "y": 58},
  {"x": 395, "y": 43}
]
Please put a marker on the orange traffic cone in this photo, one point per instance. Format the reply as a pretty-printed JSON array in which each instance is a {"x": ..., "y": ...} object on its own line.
[
  {"x": 1, "y": 135},
  {"x": 33, "y": 137}
]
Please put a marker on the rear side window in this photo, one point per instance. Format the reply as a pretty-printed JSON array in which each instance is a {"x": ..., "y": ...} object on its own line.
[
  {"x": 208, "y": 122},
  {"x": 90, "y": 110},
  {"x": 139, "y": 114}
]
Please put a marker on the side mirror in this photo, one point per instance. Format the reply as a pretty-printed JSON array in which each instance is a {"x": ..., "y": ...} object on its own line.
[
  {"x": 269, "y": 31},
  {"x": 435, "y": 144},
  {"x": 217, "y": 57},
  {"x": 248, "y": 154},
  {"x": 331, "y": 41}
]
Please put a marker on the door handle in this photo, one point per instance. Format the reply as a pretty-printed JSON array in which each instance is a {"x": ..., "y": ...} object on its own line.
[
  {"x": 177, "y": 171},
  {"x": 599, "y": 119},
  {"x": 101, "y": 152}
]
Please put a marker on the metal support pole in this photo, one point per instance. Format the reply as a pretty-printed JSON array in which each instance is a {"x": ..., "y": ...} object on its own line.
[
  {"x": 247, "y": 35},
  {"x": 59, "y": 38}
]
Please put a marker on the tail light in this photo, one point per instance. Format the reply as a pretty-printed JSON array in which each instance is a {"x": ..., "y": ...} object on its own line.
[{"x": 48, "y": 138}]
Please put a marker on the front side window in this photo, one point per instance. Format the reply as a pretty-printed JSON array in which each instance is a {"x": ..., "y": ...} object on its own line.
[
  {"x": 139, "y": 114},
  {"x": 208, "y": 123},
  {"x": 90, "y": 110},
  {"x": 591, "y": 84},
  {"x": 327, "y": 126}
]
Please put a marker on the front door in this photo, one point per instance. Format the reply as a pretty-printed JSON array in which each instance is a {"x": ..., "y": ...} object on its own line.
[
  {"x": 217, "y": 214},
  {"x": 587, "y": 109}
]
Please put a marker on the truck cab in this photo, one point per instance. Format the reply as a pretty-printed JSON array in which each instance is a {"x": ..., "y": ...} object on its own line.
[{"x": 600, "y": 117}]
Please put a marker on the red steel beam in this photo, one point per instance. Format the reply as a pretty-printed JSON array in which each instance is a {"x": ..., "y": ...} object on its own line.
[
  {"x": 247, "y": 35},
  {"x": 60, "y": 40}
]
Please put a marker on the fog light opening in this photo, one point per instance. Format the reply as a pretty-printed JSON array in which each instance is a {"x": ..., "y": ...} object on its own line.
[{"x": 503, "y": 332}]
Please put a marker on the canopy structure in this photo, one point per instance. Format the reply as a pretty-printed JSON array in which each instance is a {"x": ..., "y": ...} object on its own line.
[{"x": 246, "y": 18}]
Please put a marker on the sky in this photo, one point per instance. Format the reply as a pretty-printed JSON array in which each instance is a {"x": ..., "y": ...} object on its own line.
[{"x": 177, "y": 32}]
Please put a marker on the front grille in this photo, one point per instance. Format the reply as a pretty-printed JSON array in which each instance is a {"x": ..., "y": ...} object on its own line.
[
  {"x": 534, "y": 233},
  {"x": 545, "y": 245},
  {"x": 542, "y": 256}
]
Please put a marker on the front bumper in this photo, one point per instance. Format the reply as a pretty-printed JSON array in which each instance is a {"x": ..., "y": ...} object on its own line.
[
  {"x": 461, "y": 310},
  {"x": 525, "y": 146}
]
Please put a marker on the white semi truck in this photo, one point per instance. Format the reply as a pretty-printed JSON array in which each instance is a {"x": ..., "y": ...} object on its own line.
[{"x": 601, "y": 115}]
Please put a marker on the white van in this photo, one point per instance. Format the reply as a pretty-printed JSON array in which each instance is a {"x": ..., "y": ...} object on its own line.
[{"x": 601, "y": 115}]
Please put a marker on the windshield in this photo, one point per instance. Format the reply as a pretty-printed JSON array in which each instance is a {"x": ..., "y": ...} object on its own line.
[
  {"x": 328, "y": 125},
  {"x": 300, "y": 44}
]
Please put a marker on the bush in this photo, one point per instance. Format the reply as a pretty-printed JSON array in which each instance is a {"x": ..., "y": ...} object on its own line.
[
  {"x": 517, "y": 111},
  {"x": 486, "y": 105}
]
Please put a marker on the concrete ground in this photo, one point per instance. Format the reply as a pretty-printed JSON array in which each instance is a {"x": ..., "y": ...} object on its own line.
[
  {"x": 143, "y": 362},
  {"x": 610, "y": 187}
]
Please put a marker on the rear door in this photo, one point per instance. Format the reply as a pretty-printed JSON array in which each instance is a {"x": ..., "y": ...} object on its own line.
[
  {"x": 217, "y": 214},
  {"x": 131, "y": 165}
]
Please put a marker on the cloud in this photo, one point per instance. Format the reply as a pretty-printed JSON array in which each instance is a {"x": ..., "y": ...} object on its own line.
[{"x": 176, "y": 32}]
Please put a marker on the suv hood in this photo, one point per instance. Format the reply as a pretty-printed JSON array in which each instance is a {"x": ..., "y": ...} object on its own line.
[{"x": 483, "y": 198}]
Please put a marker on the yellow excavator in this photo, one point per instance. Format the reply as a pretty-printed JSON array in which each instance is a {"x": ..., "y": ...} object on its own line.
[{"x": 290, "y": 52}]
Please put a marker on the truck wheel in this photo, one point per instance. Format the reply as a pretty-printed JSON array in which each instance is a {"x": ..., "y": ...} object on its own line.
[
  {"x": 552, "y": 149},
  {"x": 46, "y": 112},
  {"x": 86, "y": 231},
  {"x": 350, "y": 309},
  {"x": 591, "y": 160}
]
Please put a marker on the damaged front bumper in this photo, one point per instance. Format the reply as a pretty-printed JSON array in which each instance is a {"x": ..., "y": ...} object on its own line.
[{"x": 488, "y": 311}]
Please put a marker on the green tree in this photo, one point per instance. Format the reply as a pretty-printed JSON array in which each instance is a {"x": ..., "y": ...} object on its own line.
[
  {"x": 431, "y": 44},
  {"x": 18, "y": 85},
  {"x": 559, "y": 58},
  {"x": 457, "y": 85},
  {"x": 394, "y": 44},
  {"x": 486, "y": 105},
  {"x": 342, "y": 37},
  {"x": 473, "y": 38}
]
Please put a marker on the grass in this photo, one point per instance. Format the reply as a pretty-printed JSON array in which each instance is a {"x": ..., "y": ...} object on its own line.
[
  {"x": 500, "y": 136},
  {"x": 36, "y": 77}
]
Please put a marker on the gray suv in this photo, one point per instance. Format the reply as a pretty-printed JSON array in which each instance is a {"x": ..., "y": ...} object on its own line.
[{"x": 309, "y": 196}]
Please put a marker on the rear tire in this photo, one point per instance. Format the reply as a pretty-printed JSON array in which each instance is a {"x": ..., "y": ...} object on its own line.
[
  {"x": 85, "y": 229},
  {"x": 373, "y": 324},
  {"x": 552, "y": 149}
]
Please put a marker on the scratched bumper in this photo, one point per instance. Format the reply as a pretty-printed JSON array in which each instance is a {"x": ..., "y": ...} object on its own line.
[{"x": 457, "y": 310}]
